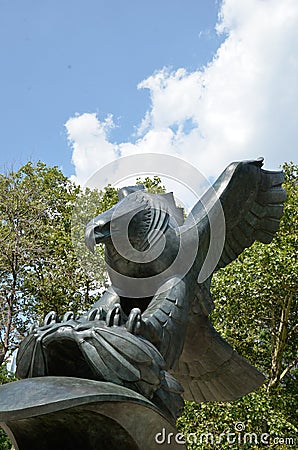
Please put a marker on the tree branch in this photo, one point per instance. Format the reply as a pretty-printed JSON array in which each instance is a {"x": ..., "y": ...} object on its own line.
[{"x": 288, "y": 368}]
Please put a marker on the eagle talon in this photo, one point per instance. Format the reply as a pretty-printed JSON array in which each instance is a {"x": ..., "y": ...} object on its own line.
[
  {"x": 68, "y": 316},
  {"x": 114, "y": 316},
  {"x": 50, "y": 318},
  {"x": 95, "y": 314},
  {"x": 134, "y": 322}
]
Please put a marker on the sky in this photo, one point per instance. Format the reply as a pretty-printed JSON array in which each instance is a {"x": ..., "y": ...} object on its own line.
[{"x": 86, "y": 82}]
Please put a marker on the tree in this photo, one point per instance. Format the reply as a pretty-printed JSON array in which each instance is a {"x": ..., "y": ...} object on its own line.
[
  {"x": 37, "y": 268},
  {"x": 256, "y": 303}
]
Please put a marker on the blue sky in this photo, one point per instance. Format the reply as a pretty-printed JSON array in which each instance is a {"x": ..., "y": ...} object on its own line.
[
  {"x": 59, "y": 58},
  {"x": 208, "y": 81}
]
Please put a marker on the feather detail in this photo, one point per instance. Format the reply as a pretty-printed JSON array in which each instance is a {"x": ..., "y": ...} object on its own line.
[{"x": 213, "y": 371}]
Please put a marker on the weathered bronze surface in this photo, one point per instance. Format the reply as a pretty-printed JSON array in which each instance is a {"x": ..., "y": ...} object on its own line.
[
  {"x": 150, "y": 331},
  {"x": 64, "y": 413}
]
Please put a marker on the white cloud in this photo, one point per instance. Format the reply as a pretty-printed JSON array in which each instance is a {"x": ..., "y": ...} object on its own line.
[
  {"x": 242, "y": 105},
  {"x": 175, "y": 97},
  {"x": 89, "y": 140}
]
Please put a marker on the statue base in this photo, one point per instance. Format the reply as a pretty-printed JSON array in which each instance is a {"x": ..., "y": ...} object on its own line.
[{"x": 65, "y": 413}]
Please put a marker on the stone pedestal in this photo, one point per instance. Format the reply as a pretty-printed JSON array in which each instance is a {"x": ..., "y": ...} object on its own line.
[{"x": 65, "y": 413}]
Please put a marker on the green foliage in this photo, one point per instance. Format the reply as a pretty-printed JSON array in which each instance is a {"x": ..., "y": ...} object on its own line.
[
  {"x": 37, "y": 270},
  {"x": 152, "y": 185},
  {"x": 261, "y": 415},
  {"x": 256, "y": 311},
  {"x": 5, "y": 443},
  {"x": 5, "y": 377}
]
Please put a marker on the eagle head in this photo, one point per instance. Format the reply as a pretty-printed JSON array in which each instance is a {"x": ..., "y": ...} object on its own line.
[{"x": 139, "y": 217}]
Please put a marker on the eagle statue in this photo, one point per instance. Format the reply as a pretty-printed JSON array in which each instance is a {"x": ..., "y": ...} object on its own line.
[{"x": 150, "y": 331}]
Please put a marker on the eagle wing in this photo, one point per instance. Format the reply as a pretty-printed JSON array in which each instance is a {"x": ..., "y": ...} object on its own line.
[
  {"x": 209, "y": 369},
  {"x": 252, "y": 203}
]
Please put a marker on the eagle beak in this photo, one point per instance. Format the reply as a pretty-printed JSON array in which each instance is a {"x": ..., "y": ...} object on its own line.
[{"x": 98, "y": 229}]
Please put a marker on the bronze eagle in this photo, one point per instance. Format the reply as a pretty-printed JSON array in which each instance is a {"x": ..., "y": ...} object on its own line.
[{"x": 151, "y": 327}]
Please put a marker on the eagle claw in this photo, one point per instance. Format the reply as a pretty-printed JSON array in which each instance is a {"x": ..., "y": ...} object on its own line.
[
  {"x": 95, "y": 314},
  {"x": 115, "y": 316},
  {"x": 50, "y": 318},
  {"x": 69, "y": 315},
  {"x": 134, "y": 322}
]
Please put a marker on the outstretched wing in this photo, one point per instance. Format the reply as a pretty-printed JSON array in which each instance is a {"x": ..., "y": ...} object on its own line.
[
  {"x": 252, "y": 203},
  {"x": 260, "y": 201},
  {"x": 251, "y": 200}
]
